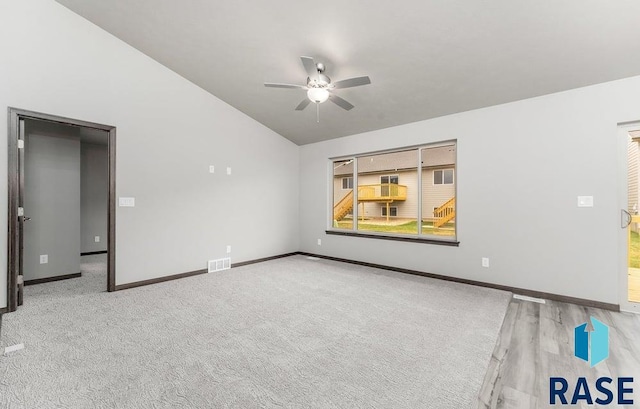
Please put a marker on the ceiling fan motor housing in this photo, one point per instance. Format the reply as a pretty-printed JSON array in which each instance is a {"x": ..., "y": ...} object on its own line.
[{"x": 321, "y": 82}]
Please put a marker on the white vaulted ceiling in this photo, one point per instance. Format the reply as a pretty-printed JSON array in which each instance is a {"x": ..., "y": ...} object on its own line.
[{"x": 426, "y": 58}]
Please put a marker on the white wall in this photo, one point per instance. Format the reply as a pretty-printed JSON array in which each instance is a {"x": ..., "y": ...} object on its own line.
[
  {"x": 52, "y": 200},
  {"x": 520, "y": 169},
  {"x": 523, "y": 163},
  {"x": 169, "y": 132},
  {"x": 94, "y": 196}
]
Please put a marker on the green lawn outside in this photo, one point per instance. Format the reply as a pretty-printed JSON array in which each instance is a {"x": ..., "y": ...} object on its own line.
[{"x": 406, "y": 228}]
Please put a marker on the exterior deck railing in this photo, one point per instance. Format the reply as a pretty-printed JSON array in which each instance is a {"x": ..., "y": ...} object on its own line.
[{"x": 383, "y": 192}]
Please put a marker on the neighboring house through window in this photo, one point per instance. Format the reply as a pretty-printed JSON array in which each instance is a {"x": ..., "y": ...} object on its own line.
[{"x": 347, "y": 183}]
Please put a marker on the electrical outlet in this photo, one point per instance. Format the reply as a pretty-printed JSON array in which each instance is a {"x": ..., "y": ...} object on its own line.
[
  {"x": 319, "y": 242},
  {"x": 44, "y": 258},
  {"x": 96, "y": 239},
  {"x": 212, "y": 169},
  {"x": 228, "y": 249},
  {"x": 485, "y": 262}
]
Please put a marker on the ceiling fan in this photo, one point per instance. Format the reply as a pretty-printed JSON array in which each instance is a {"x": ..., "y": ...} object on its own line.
[{"x": 320, "y": 88}]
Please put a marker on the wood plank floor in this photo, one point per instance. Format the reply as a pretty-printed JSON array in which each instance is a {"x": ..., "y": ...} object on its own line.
[{"x": 536, "y": 343}]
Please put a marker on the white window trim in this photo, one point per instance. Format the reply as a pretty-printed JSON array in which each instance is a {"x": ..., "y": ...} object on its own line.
[
  {"x": 433, "y": 177},
  {"x": 384, "y": 207},
  {"x": 397, "y": 176}
]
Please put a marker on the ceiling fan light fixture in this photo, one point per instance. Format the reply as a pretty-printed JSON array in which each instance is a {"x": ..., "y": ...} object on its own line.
[
  {"x": 320, "y": 88},
  {"x": 318, "y": 95}
]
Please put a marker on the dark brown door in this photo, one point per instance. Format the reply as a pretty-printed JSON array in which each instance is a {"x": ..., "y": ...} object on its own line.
[{"x": 16, "y": 183}]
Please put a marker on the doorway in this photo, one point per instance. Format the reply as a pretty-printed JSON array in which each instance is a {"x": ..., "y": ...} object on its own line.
[
  {"x": 629, "y": 134},
  {"x": 44, "y": 169}
]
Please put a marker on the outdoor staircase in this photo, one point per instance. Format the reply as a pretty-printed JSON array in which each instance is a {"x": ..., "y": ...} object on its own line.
[
  {"x": 343, "y": 207},
  {"x": 444, "y": 213}
]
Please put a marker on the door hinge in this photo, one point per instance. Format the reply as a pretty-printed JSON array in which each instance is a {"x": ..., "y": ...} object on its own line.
[
  {"x": 20, "y": 279},
  {"x": 20, "y": 144},
  {"x": 20, "y": 211}
]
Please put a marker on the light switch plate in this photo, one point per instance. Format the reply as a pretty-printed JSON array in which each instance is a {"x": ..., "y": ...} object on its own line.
[
  {"x": 44, "y": 258},
  {"x": 228, "y": 249},
  {"x": 127, "y": 202},
  {"x": 585, "y": 201},
  {"x": 228, "y": 171},
  {"x": 212, "y": 169}
]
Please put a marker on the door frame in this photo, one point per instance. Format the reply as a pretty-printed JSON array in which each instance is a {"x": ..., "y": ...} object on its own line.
[
  {"x": 14, "y": 117},
  {"x": 623, "y": 200}
]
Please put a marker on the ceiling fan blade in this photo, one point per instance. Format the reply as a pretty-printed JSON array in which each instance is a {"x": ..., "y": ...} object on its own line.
[
  {"x": 340, "y": 102},
  {"x": 276, "y": 85},
  {"x": 310, "y": 67},
  {"x": 302, "y": 105},
  {"x": 352, "y": 82}
]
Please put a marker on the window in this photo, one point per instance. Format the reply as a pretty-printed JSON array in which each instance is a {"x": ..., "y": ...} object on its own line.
[
  {"x": 393, "y": 211},
  {"x": 414, "y": 186},
  {"x": 389, "y": 179},
  {"x": 443, "y": 177}
]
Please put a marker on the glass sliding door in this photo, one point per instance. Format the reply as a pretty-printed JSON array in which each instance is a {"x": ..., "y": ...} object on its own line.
[{"x": 633, "y": 217}]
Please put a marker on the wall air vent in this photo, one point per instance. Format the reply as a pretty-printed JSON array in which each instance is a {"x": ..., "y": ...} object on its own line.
[{"x": 219, "y": 264}]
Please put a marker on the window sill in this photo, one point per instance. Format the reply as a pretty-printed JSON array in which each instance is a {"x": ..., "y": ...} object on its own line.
[{"x": 412, "y": 239}]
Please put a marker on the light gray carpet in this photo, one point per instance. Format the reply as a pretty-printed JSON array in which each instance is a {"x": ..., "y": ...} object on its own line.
[{"x": 288, "y": 333}]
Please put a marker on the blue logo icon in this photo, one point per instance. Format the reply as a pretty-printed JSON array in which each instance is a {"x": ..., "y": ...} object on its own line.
[
  {"x": 599, "y": 345},
  {"x": 591, "y": 345}
]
